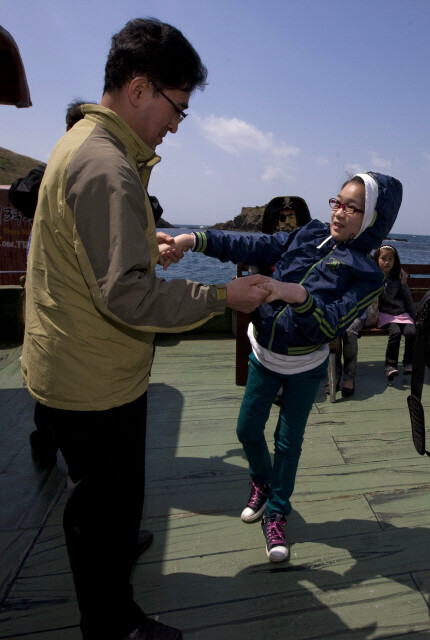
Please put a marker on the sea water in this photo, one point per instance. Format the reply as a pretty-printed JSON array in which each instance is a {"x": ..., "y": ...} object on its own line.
[{"x": 195, "y": 266}]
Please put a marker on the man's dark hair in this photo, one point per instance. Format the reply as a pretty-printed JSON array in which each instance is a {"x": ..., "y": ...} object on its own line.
[
  {"x": 74, "y": 112},
  {"x": 146, "y": 46}
]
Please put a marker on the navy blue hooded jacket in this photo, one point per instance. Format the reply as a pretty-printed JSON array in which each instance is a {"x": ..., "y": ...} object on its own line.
[{"x": 341, "y": 278}]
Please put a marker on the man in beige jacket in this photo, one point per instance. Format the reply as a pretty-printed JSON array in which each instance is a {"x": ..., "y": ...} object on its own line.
[{"x": 94, "y": 303}]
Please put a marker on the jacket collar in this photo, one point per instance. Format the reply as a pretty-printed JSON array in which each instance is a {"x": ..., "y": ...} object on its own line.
[{"x": 110, "y": 120}]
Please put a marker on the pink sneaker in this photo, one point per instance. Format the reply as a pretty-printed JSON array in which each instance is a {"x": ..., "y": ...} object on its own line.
[
  {"x": 256, "y": 503},
  {"x": 273, "y": 527}
]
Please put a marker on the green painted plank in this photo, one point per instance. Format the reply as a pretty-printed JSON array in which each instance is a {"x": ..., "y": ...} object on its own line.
[
  {"x": 14, "y": 547},
  {"x": 360, "y": 526}
]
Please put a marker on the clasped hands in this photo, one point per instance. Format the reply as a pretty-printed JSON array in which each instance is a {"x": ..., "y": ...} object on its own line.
[
  {"x": 243, "y": 294},
  {"x": 172, "y": 249}
]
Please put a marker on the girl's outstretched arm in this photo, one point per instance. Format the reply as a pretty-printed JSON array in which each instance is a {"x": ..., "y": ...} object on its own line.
[{"x": 184, "y": 241}]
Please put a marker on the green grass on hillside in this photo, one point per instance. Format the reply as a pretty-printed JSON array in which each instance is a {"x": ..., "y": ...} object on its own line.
[{"x": 13, "y": 165}]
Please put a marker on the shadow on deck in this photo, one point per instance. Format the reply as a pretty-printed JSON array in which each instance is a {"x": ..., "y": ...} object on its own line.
[{"x": 360, "y": 528}]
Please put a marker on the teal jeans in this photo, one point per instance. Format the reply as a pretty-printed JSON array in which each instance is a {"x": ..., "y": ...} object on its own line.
[{"x": 299, "y": 393}]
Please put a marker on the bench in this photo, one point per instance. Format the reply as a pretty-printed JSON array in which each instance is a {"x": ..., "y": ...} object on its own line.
[{"x": 418, "y": 283}]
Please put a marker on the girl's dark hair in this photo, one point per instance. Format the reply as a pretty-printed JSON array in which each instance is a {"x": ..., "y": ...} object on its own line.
[
  {"x": 395, "y": 271},
  {"x": 146, "y": 46}
]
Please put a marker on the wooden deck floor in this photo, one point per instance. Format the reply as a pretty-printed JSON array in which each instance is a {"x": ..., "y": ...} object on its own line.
[{"x": 360, "y": 528}]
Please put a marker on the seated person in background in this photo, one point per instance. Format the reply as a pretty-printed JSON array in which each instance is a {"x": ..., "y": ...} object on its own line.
[
  {"x": 283, "y": 213},
  {"x": 23, "y": 193},
  {"x": 323, "y": 280},
  {"x": 347, "y": 348},
  {"x": 397, "y": 311}
]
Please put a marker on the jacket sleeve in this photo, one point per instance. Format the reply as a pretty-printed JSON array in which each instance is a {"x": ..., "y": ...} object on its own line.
[
  {"x": 250, "y": 249},
  {"x": 116, "y": 247},
  {"x": 322, "y": 321}
]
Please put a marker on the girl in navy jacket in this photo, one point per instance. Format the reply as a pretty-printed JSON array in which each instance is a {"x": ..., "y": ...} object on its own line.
[{"x": 324, "y": 278}]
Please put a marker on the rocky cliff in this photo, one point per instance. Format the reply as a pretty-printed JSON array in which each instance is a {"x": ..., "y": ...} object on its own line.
[
  {"x": 163, "y": 224},
  {"x": 249, "y": 219}
]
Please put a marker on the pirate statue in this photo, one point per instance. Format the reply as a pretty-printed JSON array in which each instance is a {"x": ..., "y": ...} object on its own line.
[{"x": 285, "y": 213}]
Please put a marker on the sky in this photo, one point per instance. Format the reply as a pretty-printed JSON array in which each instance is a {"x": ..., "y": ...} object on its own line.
[{"x": 300, "y": 92}]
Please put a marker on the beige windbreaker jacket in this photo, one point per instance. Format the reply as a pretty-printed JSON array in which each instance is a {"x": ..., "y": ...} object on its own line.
[{"x": 93, "y": 299}]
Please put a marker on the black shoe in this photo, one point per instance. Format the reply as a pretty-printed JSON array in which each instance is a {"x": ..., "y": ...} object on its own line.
[
  {"x": 44, "y": 452},
  {"x": 347, "y": 393},
  {"x": 152, "y": 630},
  {"x": 391, "y": 372},
  {"x": 144, "y": 541}
]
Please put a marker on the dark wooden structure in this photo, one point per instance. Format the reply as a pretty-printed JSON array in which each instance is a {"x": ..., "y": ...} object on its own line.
[{"x": 13, "y": 81}]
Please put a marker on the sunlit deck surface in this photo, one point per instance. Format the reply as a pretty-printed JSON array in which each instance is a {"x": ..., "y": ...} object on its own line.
[{"x": 360, "y": 528}]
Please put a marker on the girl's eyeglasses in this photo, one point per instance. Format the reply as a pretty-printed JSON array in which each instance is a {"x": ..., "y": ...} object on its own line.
[{"x": 348, "y": 208}]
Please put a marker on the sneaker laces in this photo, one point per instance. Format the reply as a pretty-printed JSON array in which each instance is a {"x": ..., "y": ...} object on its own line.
[
  {"x": 257, "y": 492},
  {"x": 275, "y": 532}
]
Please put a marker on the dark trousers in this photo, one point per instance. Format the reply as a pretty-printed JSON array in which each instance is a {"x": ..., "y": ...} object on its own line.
[
  {"x": 43, "y": 437},
  {"x": 349, "y": 350},
  {"x": 105, "y": 455},
  {"x": 395, "y": 332}
]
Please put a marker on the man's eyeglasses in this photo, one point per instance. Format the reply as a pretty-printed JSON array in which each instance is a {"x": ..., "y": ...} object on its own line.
[
  {"x": 348, "y": 208},
  {"x": 181, "y": 115}
]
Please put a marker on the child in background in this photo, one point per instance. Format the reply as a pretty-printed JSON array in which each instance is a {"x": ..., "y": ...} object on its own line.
[
  {"x": 347, "y": 349},
  {"x": 397, "y": 311},
  {"x": 323, "y": 280}
]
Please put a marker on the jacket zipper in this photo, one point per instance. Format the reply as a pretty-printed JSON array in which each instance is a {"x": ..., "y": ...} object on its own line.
[{"x": 272, "y": 336}]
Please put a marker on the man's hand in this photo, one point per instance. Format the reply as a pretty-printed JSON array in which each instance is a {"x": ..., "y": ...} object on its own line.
[
  {"x": 166, "y": 255},
  {"x": 164, "y": 238},
  {"x": 287, "y": 291},
  {"x": 243, "y": 294}
]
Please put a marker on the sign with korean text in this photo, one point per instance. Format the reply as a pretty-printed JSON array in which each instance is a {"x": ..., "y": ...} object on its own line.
[{"x": 14, "y": 233}]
